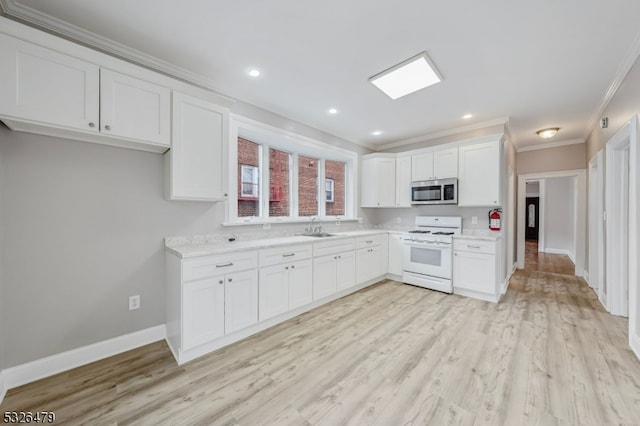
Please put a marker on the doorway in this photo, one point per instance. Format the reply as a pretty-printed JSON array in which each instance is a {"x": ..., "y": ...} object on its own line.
[{"x": 561, "y": 249}]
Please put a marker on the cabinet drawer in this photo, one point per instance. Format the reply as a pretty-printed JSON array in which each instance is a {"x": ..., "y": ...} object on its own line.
[
  {"x": 371, "y": 240},
  {"x": 330, "y": 247},
  {"x": 208, "y": 266},
  {"x": 472, "y": 245},
  {"x": 274, "y": 256}
]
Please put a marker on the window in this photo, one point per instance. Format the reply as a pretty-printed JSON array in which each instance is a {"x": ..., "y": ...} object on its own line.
[
  {"x": 249, "y": 185},
  {"x": 328, "y": 189},
  {"x": 283, "y": 177}
]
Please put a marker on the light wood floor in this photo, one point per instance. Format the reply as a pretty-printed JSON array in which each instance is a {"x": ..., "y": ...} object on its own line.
[
  {"x": 392, "y": 354},
  {"x": 545, "y": 262}
]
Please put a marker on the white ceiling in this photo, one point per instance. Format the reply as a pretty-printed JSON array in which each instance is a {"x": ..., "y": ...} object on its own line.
[{"x": 538, "y": 63}]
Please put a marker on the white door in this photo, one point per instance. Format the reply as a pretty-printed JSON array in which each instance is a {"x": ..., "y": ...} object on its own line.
[
  {"x": 45, "y": 86},
  {"x": 479, "y": 175},
  {"x": 134, "y": 109},
  {"x": 324, "y": 276},
  {"x": 273, "y": 294},
  {"x": 300, "y": 283},
  {"x": 241, "y": 300},
  {"x": 200, "y": 130},
  {"x": 445, "y": 163},
  {"x": 346, "y": 270},
  {"x": 422, "y": 166},
  {"x": 203, "y": 311},
  {"x": 403, "y": 182}
]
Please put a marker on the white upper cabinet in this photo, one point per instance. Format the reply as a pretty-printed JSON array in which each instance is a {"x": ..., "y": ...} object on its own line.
[
  {"x": 422, "y": 166},
  {"x": 445, "y": 163},
  {"x": 200, "y": 129},
  {"x": 403, "y": 181},
  {"x": 43, "y": 86},
  {"x": 434, "y": 165},
  {"x": 378, "y": 181},
  {"x": 136, "y": 109},
  {"x": 479, "y": 180}
]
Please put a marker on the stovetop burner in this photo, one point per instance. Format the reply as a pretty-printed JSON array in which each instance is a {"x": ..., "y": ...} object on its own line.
[
  {"x": 419, "y": 231},
  {"x": 442, "y": 233}
]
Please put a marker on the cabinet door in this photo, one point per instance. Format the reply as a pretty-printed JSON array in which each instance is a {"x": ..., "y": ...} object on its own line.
[
  {"x": 203, "y": 311},
  {"x": 240, "y": 300},
  {"x": 273, "y": 293},
  {"x": 300, "y": 283},
  {"x": 445, "y": 163},
  {"x": 479, "y": 180},
  {"x": 474, "y": 271},
  {"x": 422, "y": 166},
  {"x": 324, "y": 276},
  {"x": 45, "y": 86},
  {"x": 403, "y": 182},
  {"x": 395, "y": 254},
  {"x": 134, "y": 109},
  {"x": 378, "y": 182},
  {"x": 346, "y": 270},
  {"x": 365, "y": 267},
  {"x": 196, "y": 158}
]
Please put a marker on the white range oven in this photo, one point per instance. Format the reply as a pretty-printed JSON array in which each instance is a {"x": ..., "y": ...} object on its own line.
[{"x": 428, "y": 252}]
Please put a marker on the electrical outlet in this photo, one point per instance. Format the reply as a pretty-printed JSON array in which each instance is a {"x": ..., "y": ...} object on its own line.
[
  {"x": 266, "y": 226},
  {"x": 399, "y": 220},
  {"x": 474, "y": 220},
  {"x": 134, "y": 302}
]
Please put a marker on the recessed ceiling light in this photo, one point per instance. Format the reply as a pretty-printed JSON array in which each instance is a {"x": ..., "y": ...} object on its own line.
[
  {"x": 376, "y": 132},
  {"x": 254, "y": 72},
  {"x": 407, "y": 77},
  {"x": 467, "y": 116},
  {"x": 333, "y": 111},
  {"x": 548, "y": 133}
]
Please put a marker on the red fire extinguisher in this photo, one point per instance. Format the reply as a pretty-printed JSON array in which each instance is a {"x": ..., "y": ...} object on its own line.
[{"x": 495, "y": 219}]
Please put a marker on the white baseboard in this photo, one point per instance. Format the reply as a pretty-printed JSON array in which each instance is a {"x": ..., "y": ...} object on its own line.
[
  {"x": 557, "y": 251},
  {"x": 634, "y": 342},
  {"x": 54, "y": 364},
  {"x": 3, "y": 386}
]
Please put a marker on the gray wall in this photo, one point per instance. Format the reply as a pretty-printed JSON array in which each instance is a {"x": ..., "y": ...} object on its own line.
[
  {"x": 82, "y": 230},
  {"x": 568, "y": 157},
  {"x": 559, "y": 217}
]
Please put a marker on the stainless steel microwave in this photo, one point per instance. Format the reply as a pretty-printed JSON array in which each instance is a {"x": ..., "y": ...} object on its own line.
[{"x": 441, "y": 191}]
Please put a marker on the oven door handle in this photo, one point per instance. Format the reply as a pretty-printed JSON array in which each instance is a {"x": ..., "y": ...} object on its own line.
[{"x": 425, "y": 244}]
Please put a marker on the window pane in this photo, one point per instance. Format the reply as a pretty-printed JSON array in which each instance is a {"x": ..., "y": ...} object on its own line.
[
  {"x": 307, "y": 186},
  {"x": 278, "y": 183},
  {"x": 335, "y": 173},
  {"x": 248, "y": 178}
]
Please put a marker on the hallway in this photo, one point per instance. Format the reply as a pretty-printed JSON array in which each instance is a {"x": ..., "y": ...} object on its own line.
[{"x": 545, "y": 262}]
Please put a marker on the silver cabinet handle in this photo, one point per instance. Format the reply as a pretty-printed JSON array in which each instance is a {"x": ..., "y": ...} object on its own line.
[
  {"x": 288, "y": 255},
  {"x": 293, "y": 266},
  {"x": 221, "y": 282},
  {"x": 107, "y": 127},
  {"x": 92, "y": 124},
  {"x": 229, "y": 280},
  {"x": 224, "y": 265},
  {"x": 474, "y": 247},
  {"x": 369, "y": 241},
  {"x": 286, "y": 267}
]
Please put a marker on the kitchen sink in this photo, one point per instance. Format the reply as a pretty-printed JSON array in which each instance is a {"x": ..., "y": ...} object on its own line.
[{"x": 318, "y": 234}]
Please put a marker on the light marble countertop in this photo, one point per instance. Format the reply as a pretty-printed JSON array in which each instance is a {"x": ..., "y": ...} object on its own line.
[
  {"x": 480, "y": 234},
  {"x": 186, "y": 251}
]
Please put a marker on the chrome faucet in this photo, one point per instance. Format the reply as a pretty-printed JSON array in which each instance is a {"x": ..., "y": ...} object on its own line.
[{"x": 311, "y": 229}]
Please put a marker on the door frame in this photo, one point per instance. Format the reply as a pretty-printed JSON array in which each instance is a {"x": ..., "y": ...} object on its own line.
[
  {"x": 596, "y": 225},
  {"x": 580, "y": 215}
]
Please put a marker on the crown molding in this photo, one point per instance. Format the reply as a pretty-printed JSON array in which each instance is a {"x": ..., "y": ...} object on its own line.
[
  {"x": 550, "y": 145},
  {"x": 77, "y": 34},
  {"x": 621, "y": 74},
  {"x": 450, "y": 132}
]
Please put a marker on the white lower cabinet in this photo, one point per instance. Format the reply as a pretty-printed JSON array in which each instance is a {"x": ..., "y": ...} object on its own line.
[
  {"x": 284, "y": 287},
  {"x": 345, "y": 270},
  {"x": 395, "y": 254},
  {"x": 203, "y": 306},
  {"x": 324, "y": 276},
  {"x": 371, "y": 257},
  {"x": 475, "y": 269},
  {"x": 333, "y": 267},
  {"x": 240, "y": 300}
]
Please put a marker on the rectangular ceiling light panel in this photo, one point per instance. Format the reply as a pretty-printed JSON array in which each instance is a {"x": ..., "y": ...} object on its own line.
[{"x": 407, "y": 77}]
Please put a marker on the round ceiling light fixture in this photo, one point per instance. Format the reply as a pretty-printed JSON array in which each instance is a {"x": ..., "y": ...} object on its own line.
[
  {"x": 548, "y": 133},
  {"x": 376, "y": 132},
  {"x": 333, "y": 111},
  {"x": 254, "y": 72}
]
